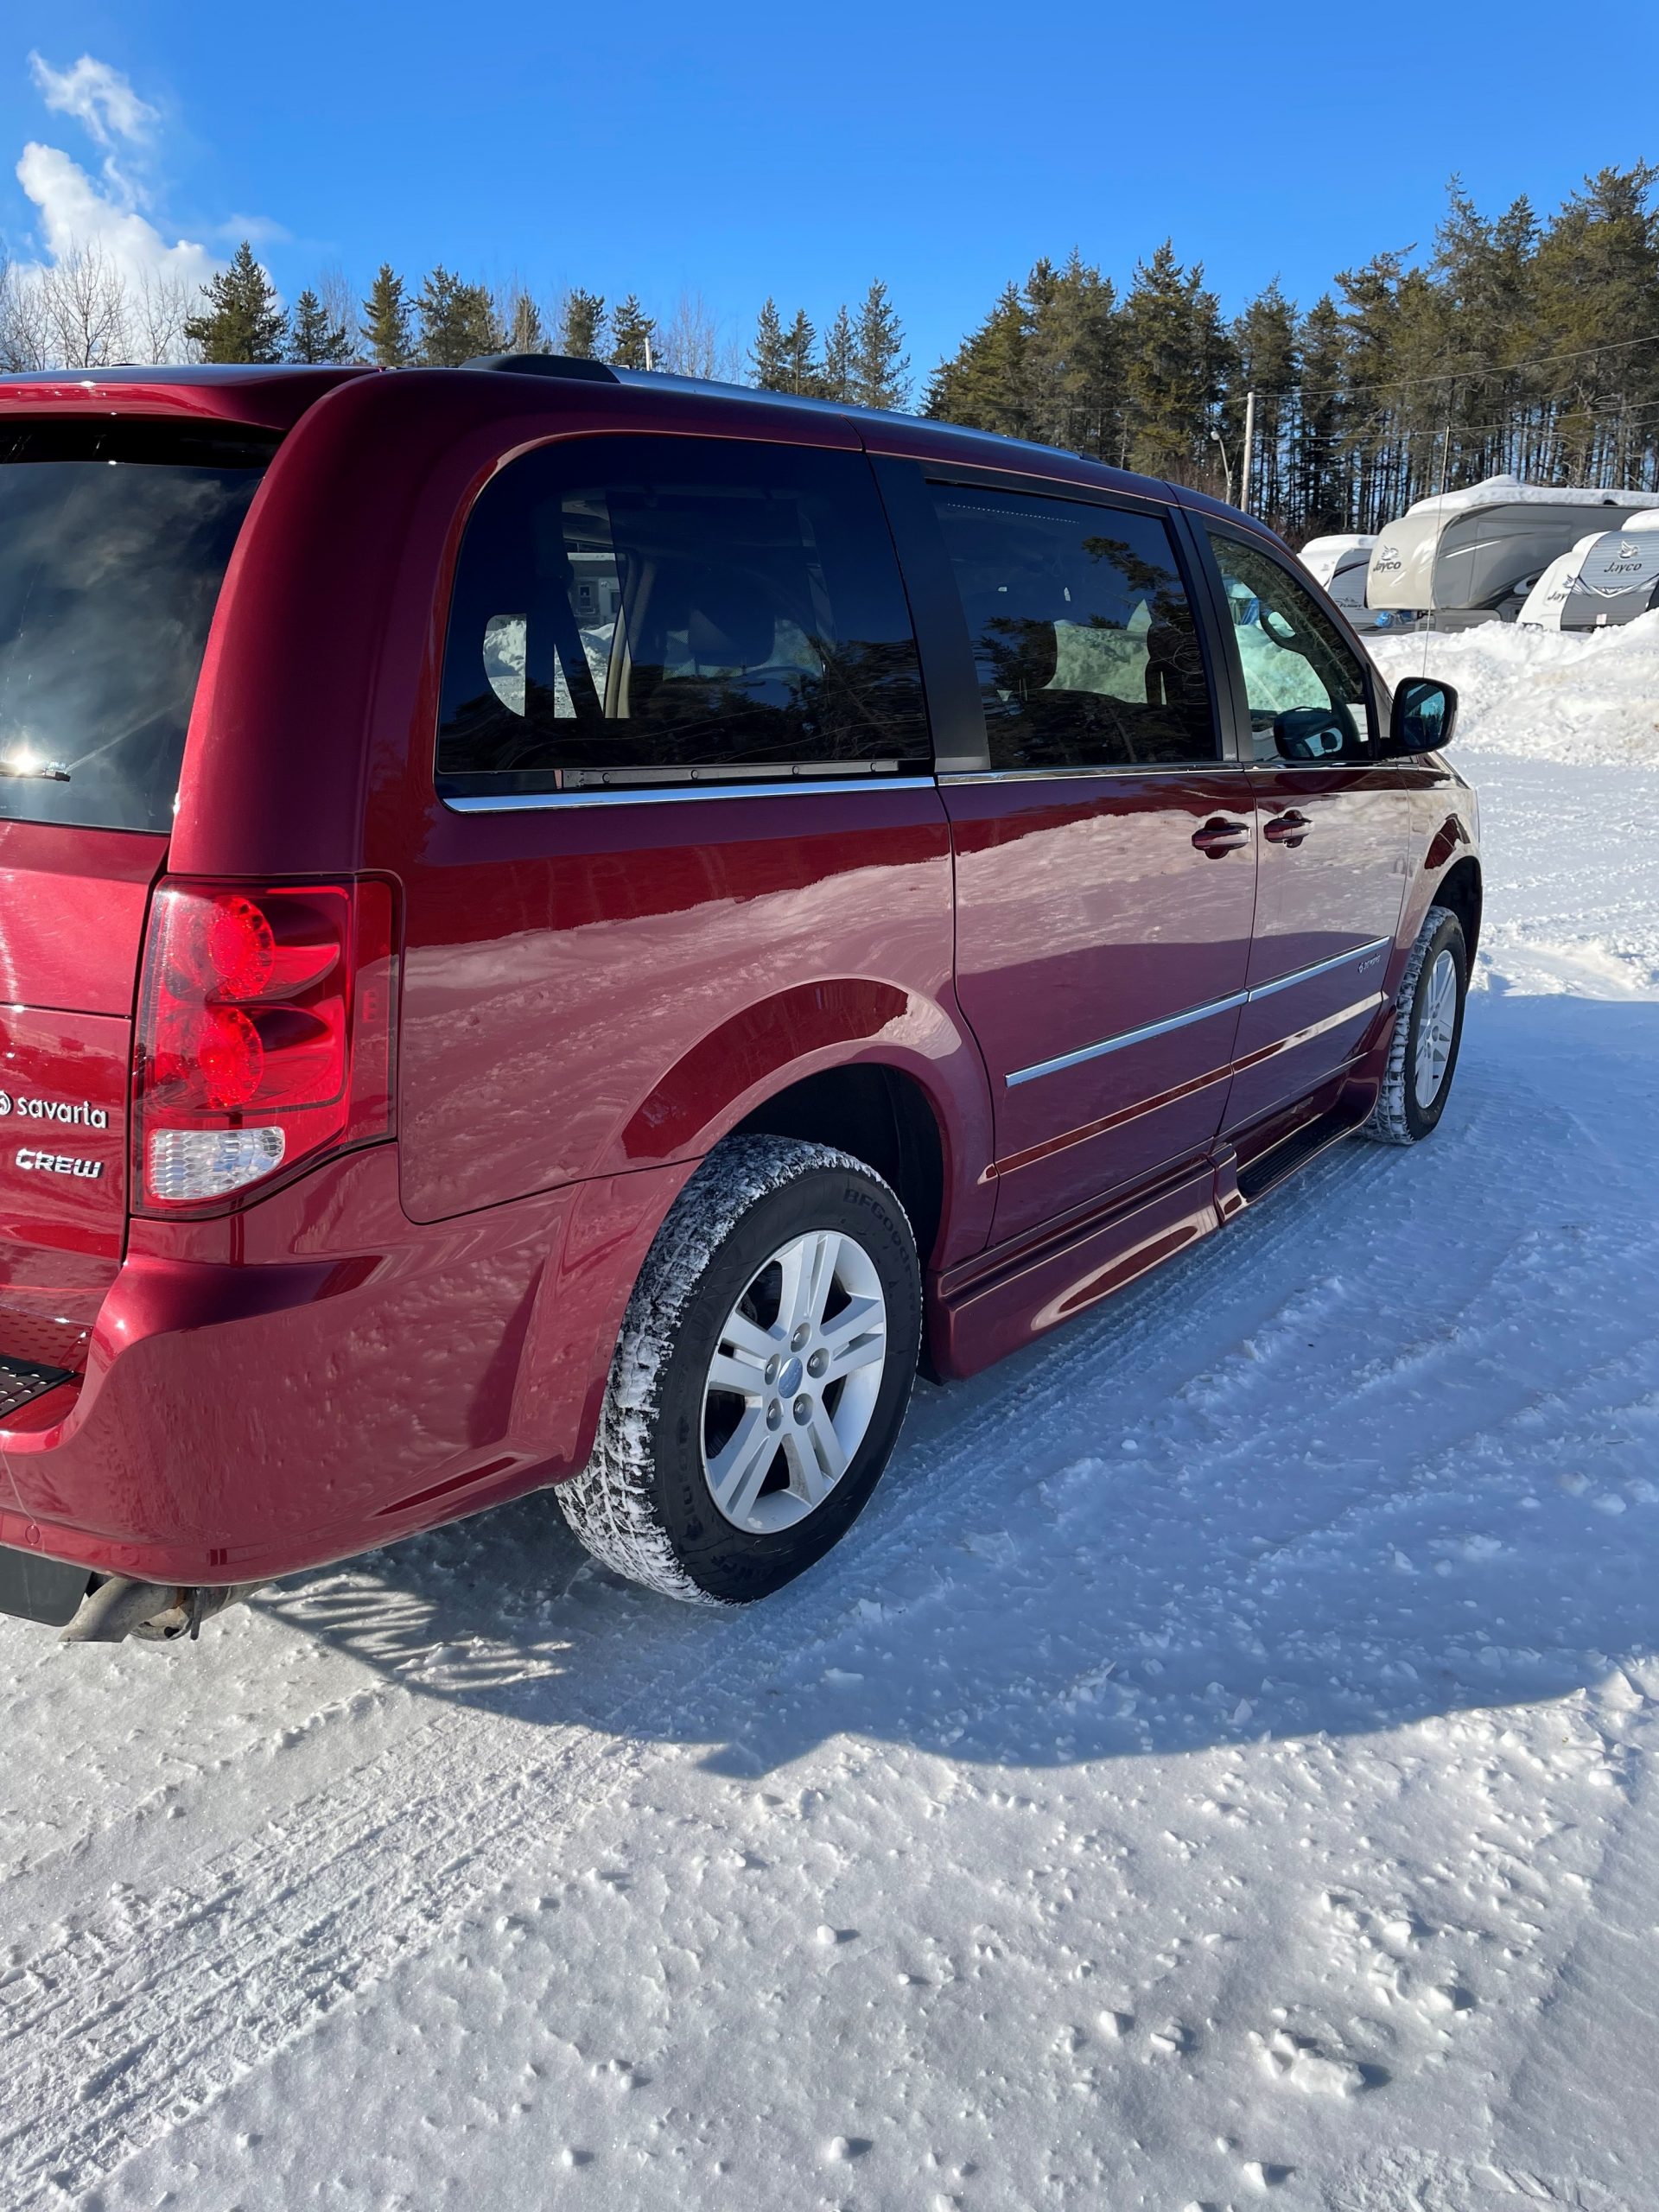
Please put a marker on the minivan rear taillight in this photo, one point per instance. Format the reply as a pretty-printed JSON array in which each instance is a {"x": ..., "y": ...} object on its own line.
[{"x": 265, "y": 1020}]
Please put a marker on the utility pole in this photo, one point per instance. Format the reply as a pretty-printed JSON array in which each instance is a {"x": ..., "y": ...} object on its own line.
[
  {"x": 1249, "y": 448},
  {"x": 1226, "y": 463},
  {"x": 1446, "y": 437}
]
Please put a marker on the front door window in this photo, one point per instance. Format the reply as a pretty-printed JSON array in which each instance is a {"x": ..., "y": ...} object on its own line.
[{"x": 1302, "y": 680}]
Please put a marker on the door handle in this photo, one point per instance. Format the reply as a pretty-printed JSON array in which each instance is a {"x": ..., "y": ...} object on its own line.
[
  {"x": 1286, "y": 829},
  {"x": 1219, "y": 836}
]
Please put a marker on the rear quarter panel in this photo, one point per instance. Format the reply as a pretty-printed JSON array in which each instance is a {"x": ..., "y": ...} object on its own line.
[{"x": 591, "y": 990}]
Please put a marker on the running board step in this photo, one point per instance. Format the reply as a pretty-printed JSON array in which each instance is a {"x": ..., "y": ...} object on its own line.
[
  {"x": 1293, "y": 1152},
  {"x": 24, "y": 1380}
]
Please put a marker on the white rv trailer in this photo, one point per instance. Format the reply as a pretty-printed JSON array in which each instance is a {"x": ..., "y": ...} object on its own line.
[
  {"x": 1332, "y": 561},
  {"x": 1610, "y": 577},
  {"x": 1466, "y": 557},
  {"x": 1340, "y": 565}
]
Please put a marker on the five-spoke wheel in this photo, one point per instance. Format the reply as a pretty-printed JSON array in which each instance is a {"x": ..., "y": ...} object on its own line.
[
  {"x": 761, "y": 1376},
  {"x": 794, "y": 1382}
]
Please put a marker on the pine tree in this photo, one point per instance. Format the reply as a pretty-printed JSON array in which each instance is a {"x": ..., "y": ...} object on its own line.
[
  {"x": 1321, "y": 486},
  {"x": 1371, "y": 320},
  {"x": 838, "y": 372},
  {"x": 240, "y": 318},
  {"x": 582, "y": 330},
  {"x": 880, "y": 364},
  {"x": 385, "y": 325},
  {"x": 632, "y": 331},
  {"x": 1484, "y": 272},
  {"x": 1174, "y": 364},
  {"x": 315, "y": 335},
  {"x": 768, "y": 357},
  {"x": 457, "y": 321},
  {"x": 1598, "y": 276},
  {"x": 1073, "y": 364},
  {"x": 1264, "y": 348},
  {"x": 985, "y": 383},
  {"x": 800, "y": 358}
]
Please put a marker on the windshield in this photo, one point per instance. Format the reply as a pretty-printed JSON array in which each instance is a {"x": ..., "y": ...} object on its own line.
[{"x": 114, "y": 539}]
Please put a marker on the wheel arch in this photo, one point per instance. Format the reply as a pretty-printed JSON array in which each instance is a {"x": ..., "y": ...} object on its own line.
[
  {"x": 883, "y": 1115},
  {"x": 1461, "y": 890},
  {"x": 885, "y": 1074}
]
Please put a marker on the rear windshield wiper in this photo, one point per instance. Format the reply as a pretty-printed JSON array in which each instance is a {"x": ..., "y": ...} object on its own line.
[{"x": 25, "y": 764}]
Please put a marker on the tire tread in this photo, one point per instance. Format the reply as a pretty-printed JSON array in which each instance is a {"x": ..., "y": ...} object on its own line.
[
  {"x": 1390, "y": 1122},
  {"x": 611, "y": 1506}
]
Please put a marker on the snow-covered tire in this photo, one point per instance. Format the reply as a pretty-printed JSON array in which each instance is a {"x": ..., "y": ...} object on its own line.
[
  {"x": 643, "y": 1505},
  {"x": 1418, "y": 1078}
]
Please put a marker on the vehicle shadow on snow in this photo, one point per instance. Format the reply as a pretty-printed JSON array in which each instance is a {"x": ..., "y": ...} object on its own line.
[{"x": 1382, "y": 1450}]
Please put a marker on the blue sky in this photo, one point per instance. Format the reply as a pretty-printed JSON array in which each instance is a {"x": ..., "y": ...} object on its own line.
[{"x": 745, "y": 148}]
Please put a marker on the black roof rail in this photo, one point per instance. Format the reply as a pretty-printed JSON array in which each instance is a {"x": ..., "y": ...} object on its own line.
[
  {"x": 580, "y": 369},
  {"x": 575, "y": 366}
]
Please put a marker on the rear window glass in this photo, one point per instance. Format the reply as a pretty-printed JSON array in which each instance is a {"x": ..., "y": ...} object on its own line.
[
  {"x": 114, "y": 539},
  {"x": 634, "y": 610}
]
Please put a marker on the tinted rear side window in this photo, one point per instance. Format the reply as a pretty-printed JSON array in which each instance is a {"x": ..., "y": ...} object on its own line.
[
  {"x": 633, "y": 611},
  {"x": 1082, "y": 633},
  {"x": 114, "y": 540}
]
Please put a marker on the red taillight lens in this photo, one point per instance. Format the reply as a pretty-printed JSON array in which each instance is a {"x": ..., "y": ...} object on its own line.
[{"x": 264, "y": 1033}]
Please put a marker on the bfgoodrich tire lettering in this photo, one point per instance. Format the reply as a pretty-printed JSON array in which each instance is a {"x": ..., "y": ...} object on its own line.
[
  {"x": 1428, "y": 1031},
  {"x": 643, "y": 1504}
]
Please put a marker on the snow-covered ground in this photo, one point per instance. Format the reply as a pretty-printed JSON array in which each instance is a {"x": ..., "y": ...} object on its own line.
[{"x": 1218, "y": 1770}]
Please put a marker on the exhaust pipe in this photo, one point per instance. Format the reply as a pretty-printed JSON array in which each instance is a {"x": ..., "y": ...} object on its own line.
[{"x": 158, "y": 1612}]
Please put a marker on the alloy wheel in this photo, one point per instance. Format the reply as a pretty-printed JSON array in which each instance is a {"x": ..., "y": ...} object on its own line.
[
  {"x": 794, "y": 1381},
  {"x": 1436, "y": 1027}
]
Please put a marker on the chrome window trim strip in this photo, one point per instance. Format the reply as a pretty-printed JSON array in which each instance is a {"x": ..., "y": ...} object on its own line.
[
  {"x": 1195, "y": 1014},
  {"x": 1079, "y": 775},
  {"x": 673, "y": 794}
]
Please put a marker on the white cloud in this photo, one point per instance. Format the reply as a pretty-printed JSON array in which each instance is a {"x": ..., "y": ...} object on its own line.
[
  {"x": 109, "y": 285},
  {"x": 258, "y": 229},
  {"x": 99, "y": 98},
  {"x": 77, "y": 214}
]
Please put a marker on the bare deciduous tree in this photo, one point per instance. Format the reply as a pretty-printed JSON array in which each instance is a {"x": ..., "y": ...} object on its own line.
[
  {"x": 25, "y": 332},
  {"x": 339, "y": 301},
  {"x": 88, "y": 309},
  {"x": 689, "y": 344},
  {"x": 159, "y": 307}
]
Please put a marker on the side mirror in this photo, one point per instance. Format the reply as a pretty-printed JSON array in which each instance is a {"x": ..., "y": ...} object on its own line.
[
  {"x": 1306, "y": 734},
  {"x": 1423, "y": 716}
]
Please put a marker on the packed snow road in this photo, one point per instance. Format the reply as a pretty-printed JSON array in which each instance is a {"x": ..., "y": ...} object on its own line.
[{"x": 1214, "y": 1772}]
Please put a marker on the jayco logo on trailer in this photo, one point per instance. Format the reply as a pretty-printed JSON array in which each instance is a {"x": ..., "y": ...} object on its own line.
[{"x": 82, "y": 1112}]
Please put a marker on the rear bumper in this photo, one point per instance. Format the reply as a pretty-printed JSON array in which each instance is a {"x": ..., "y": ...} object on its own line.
[{"x": 322, "y": 1375}]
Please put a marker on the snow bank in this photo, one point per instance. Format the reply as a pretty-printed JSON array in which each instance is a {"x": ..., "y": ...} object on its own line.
[{"x": 1543, "y": 694}]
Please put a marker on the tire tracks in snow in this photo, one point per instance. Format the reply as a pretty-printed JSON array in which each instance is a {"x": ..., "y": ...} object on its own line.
[{"x": 145, "y": 2010}]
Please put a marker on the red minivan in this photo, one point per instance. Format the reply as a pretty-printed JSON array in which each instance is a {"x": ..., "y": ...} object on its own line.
[{"x": 566, "y": 927}]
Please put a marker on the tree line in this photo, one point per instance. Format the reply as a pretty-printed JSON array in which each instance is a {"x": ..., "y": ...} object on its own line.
[
  {"x": 448, "y": 322},
  {"x": 1516, "y": 342}
]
